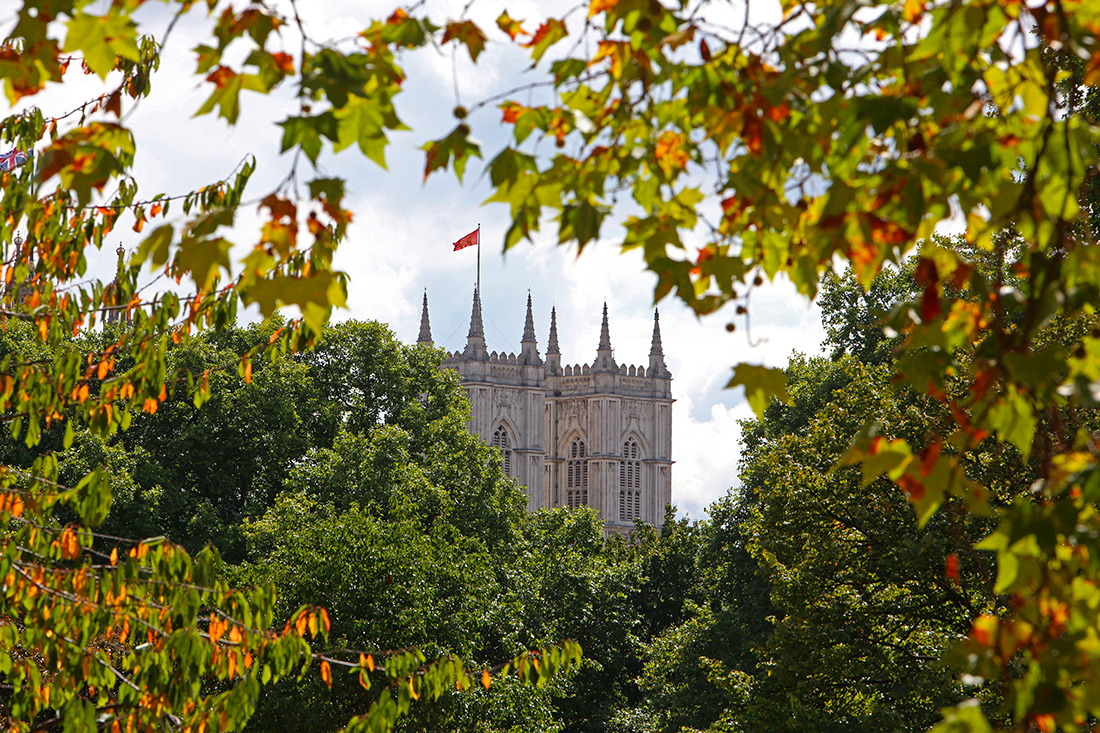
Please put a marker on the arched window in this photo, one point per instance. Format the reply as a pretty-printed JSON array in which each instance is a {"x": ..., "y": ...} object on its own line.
[
  {"x": 630, "y": 482},
  {"x": 504, "y": 443},
  {"x": 576, "y": 475}
]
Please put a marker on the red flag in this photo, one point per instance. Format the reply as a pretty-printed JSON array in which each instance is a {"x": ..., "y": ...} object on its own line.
[{"x": 468, "y": 241}]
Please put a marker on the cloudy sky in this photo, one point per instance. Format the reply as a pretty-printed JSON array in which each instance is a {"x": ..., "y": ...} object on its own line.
[{"x": 400, "y": 241}]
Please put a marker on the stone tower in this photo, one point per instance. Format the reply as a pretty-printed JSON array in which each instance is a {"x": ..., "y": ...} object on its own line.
[{"x": 596, "y": 434}]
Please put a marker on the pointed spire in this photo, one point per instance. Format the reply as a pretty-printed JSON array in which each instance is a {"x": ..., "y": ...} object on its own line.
[
  {"x": 605, "y": 361},
  {"x": 553, "y": 353},
  {"x": 477, "y": 328},
  {"x": 425, "y": 336},
  {"x": 552, "y": 345},
  {"x": 655, "y": 349},
  {"x": 475, "y": 339},
  {"x": 656, "y": 353},
  {"x": 529, "y": 350},
  {"x": 605, "y": 334},
  {"x": 529, "y": 324}
]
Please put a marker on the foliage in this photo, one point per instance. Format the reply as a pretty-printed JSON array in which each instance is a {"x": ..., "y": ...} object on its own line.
[
  {"x": 840, "y": 130},
  {"x": 141, "y": 634},
  {"x": 865, "y": 602}
]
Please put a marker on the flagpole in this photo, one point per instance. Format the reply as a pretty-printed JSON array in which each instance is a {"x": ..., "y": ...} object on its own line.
[{"x": 479, "y": 258}]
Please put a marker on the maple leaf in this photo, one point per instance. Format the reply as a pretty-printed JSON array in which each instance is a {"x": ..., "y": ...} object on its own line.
[
  {"x": 466, "y": 32},
  {"x": 546, "y": 36}
]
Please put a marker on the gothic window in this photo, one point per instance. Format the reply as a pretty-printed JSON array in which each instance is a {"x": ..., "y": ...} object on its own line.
[
  {"x": 502, "y": 441},
  {"x": 630, "y": 482},
  {"x": 576, "y": 475}
]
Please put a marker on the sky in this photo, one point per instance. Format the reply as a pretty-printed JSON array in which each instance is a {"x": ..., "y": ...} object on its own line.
[{"x": 399, "y": 244}]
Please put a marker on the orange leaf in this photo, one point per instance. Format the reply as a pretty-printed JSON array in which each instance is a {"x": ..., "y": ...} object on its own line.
[
  {"x": 221, "y": 76},
  {"x": 485, "y": 679},
  {"x": 913, "y": 489},
  {"x": 952, "y": 569},
  {"x": 670, "y": 152},
  {"x": 70, "y": 545},
  {"x": 511, "y": 111},
  {"x": 284, "y": 61},
  {"x": 114, "y": 557},
  {"x": 598, "y": 6},
  {"x": 248, "y": 372},
  {"x": 326, "y": 673},
  {"x": 370, "y": 662},
  {"x": 14, "y": 505}
]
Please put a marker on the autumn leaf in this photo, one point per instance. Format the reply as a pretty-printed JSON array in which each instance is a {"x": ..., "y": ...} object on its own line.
[
  {"x": 326, "y": 673},
  {"x": 466, "y": 32},
  {"x": 549, "y": 33},
  {"x": 12, "y": 504},
  {"x": 512, "y": 27},
  {"x": 595, "y": 7},
  {"x": 284, "y": 61},
  {"x": 70, "y": 545},
  {"x": 670, "y": 152},
  {"x": 951, "y": 571},
  {"x": 511, "y": 112},
  {"x": 485, "y": 679}
]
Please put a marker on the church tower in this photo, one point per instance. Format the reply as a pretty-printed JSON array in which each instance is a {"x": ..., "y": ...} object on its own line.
[{"x": 597, "y": 435}]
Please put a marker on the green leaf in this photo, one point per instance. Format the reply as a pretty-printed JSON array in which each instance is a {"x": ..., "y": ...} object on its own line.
[
  {"x": 1014, "y": 421},
  {"x": 101, "y": 39},
  {"x": 967, "y": 717},
  {"x": 203, "y": 258},
  {"x": 361, "y": 122},
  {"x": 761, "y": 384},
  {"x": 453, "y": 151},
  {"x": 156, "y": 246}
]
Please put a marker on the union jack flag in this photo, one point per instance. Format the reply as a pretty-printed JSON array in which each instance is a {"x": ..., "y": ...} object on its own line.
[{"x": 14, "y": 159}]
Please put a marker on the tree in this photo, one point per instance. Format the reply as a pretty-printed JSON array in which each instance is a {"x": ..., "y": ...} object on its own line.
[
  {"x": 839, "y": 130},
  {"x": 866, "y": 602}
]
